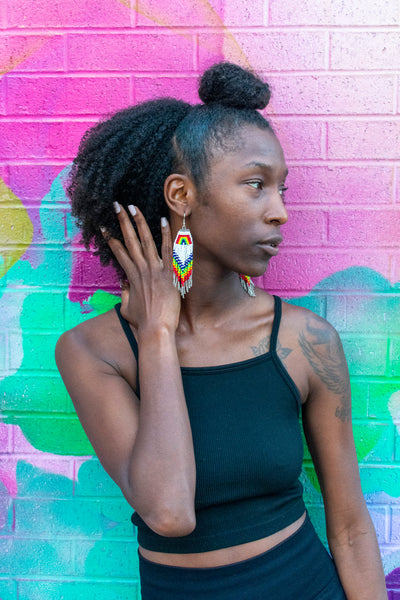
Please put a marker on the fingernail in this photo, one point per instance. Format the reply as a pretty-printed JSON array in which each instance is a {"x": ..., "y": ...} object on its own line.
[
  {"x": 117, "y": 207},
  {"x": 132, "y": 209},
  {"x": 164, "y": 222},
  {"x": 105, "y": 233}
]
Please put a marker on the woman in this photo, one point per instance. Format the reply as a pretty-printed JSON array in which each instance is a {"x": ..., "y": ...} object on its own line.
[{"x": 190, "y": 390}]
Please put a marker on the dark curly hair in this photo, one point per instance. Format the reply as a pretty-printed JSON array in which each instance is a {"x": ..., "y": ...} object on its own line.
[{"x": 128, "y": 157}]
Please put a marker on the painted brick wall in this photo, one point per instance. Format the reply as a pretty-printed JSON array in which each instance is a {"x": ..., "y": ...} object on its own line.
[{"x": 334, "y": 69}]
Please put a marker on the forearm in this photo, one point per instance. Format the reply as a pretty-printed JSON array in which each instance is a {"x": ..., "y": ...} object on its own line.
[
  {"x": 359, "y": 564},
  {"x": 162, "y": 474}
]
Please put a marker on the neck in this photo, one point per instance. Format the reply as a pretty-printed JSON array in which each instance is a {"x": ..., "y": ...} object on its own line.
[{"x": 212, "y": 297}]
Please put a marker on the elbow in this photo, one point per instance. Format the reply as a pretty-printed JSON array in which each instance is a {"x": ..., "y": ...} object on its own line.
[{"x": 172, "y": 523}]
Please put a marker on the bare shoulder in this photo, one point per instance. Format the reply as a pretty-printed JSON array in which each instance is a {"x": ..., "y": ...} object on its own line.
[
  {"x": 98, "y": 369},
  {"x": 317, "y": 357},
  {"x": 100, "y": 340},
  {"x": 302, "y": 323},
  {"x": 323, "y": 357},
  {"x": 93, "y": 336}
]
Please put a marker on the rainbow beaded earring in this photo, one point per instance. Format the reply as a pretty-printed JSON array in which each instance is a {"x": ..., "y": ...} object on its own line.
[
  {"x": 247, "y": 284},
  {"x": 182, "y": 260}
]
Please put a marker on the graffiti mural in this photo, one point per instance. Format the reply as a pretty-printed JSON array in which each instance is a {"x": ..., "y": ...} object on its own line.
[{"x": 65, "y": 529}]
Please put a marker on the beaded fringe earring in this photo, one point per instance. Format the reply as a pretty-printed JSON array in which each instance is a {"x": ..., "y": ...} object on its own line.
[
  {"x": 182, "y": 260},
  {"x": 247, "y": 284}
]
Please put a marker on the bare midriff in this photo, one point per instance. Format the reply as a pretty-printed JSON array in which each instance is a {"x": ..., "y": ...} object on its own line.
[{"x": 224, "y": 556}]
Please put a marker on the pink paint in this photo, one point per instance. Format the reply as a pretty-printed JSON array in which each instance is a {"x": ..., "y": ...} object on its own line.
[
  {"x": 183, "y": 88},
  {"x": 340, "y": 185},
  {"x": 365, "y": 50},
  {"x": 296, "y": 272},
  {"x": 305, "y": 227},
  {"x": 364, "y": 228},
  {"x": 130, "y": 52},
  {"x": 63, "y": 95},
  {"x": 369, "y": 139},
  {"x": 336, "y": 91},
  {"x": 178, "y": 14},
  {"x": 236, "y": 13},
  {"x": 8, "y": 475},
  {"x": 334, "y": 12},
  {"x": 88, "y": 275},
  {"x": 23, "y": 450},
  {"x": 32, "y": 53},
  {"x": 186, "y": 13},
  {"x": 395, "y": 268},
  {"x": 272, "y": 51},
  {"x": 45, "y": 140},
  {"x": 5, "y": 174},
  {"x": 5, "y": 438},
  {"x": 31, "y": 182},
  {"x": 67, "y": 13},
  {"x": 103, "y": 90},
  {"x": 300, "y": 139},
  {"x": 2, "y": 97},
  {"x": 331, "y": 94}
]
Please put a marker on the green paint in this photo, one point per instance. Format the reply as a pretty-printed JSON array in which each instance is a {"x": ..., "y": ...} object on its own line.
[
  {"x": 65, "y": 536},
  {"x": 42, "y": 319},
  {"x": 76, "y": 590},
  {"x": 365, "y": 308},
  {"x": 359, "y": 302},
  {"x": 8, "y": 589},
  {"x": 102, "y": 301},
  {"x": 16, "y": 229}
]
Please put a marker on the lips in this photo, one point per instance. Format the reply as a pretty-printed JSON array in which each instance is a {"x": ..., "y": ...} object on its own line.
[{"x": 271, "y": 244}]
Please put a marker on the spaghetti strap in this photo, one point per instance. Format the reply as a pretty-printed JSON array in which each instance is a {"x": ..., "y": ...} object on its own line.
[
  {"x": 276, "y": 323},
  {"x": 128, "y": 332},
  {"x": 275, "y": 357}
]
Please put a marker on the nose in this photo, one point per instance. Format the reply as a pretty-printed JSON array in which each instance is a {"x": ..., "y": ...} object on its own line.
[{"x": 276, "y": 211}]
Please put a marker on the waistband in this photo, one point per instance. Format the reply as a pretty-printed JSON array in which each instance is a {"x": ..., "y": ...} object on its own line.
[{"x": 298, "y": 567}]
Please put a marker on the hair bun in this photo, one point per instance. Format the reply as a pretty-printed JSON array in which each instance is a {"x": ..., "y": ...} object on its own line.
[{"x": 228, "y": 84}]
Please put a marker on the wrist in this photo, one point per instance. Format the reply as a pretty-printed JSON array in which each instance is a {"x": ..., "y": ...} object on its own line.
[{"x": 155, "y": 334}]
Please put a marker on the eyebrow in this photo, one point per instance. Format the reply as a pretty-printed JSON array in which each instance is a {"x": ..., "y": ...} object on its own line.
[{"x": 261, "y": 165}]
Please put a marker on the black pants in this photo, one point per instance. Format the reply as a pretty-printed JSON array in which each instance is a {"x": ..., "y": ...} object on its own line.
[{"x": 297, "y": 569}]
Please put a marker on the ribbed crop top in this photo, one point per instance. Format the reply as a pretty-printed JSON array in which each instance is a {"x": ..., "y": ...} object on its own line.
[{"x": 248, "y": 450}]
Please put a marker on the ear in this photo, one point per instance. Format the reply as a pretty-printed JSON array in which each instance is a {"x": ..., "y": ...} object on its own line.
[{"x": 179, "y": 193}]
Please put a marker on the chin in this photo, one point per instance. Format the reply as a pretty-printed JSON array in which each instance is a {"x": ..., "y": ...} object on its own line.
[{"x": 256, "y": 270}]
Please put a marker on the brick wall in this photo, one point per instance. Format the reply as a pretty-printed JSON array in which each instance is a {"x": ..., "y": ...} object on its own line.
[{"x": 334, "y": 70}]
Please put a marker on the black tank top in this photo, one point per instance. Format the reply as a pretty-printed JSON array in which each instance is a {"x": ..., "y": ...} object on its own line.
[{"x": 248, "y": 449}]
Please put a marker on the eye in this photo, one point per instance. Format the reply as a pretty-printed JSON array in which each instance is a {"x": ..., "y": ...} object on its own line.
[
  {"x": 258, "y": 185},
  {"x": 282, "y": 191}
]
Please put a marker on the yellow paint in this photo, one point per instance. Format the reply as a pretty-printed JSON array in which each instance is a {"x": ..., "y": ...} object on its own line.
[
  {"x": 15, "y": 50},
  {"x": 225, "y": 41},
  {"x": 16, "y": 229}
]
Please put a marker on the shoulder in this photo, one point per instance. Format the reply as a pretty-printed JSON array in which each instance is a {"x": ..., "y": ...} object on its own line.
[
  {"x": 97, "y": 346},
  {"x": 317, "y": 358},
  {"x": 305, "y": 324},
  {"x": 98, "y": 338}
]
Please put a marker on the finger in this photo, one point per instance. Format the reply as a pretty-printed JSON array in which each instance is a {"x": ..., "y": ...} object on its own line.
[
  {"x": 131, "y": 240},
  {"x": 166, "y": 246},
  {"x": 146, "y": 238},
  {"x": 120, "y": 253}
]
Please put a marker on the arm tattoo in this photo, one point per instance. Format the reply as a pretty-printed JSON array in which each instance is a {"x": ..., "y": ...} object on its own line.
[
  {"x": 328, "y": 362},
  {"x": 263, "y": 348}
]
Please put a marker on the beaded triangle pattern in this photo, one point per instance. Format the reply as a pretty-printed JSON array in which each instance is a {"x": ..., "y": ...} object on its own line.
[
  {"x": 247, "y": 284},
  {"x": 182, "y": 260}
]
